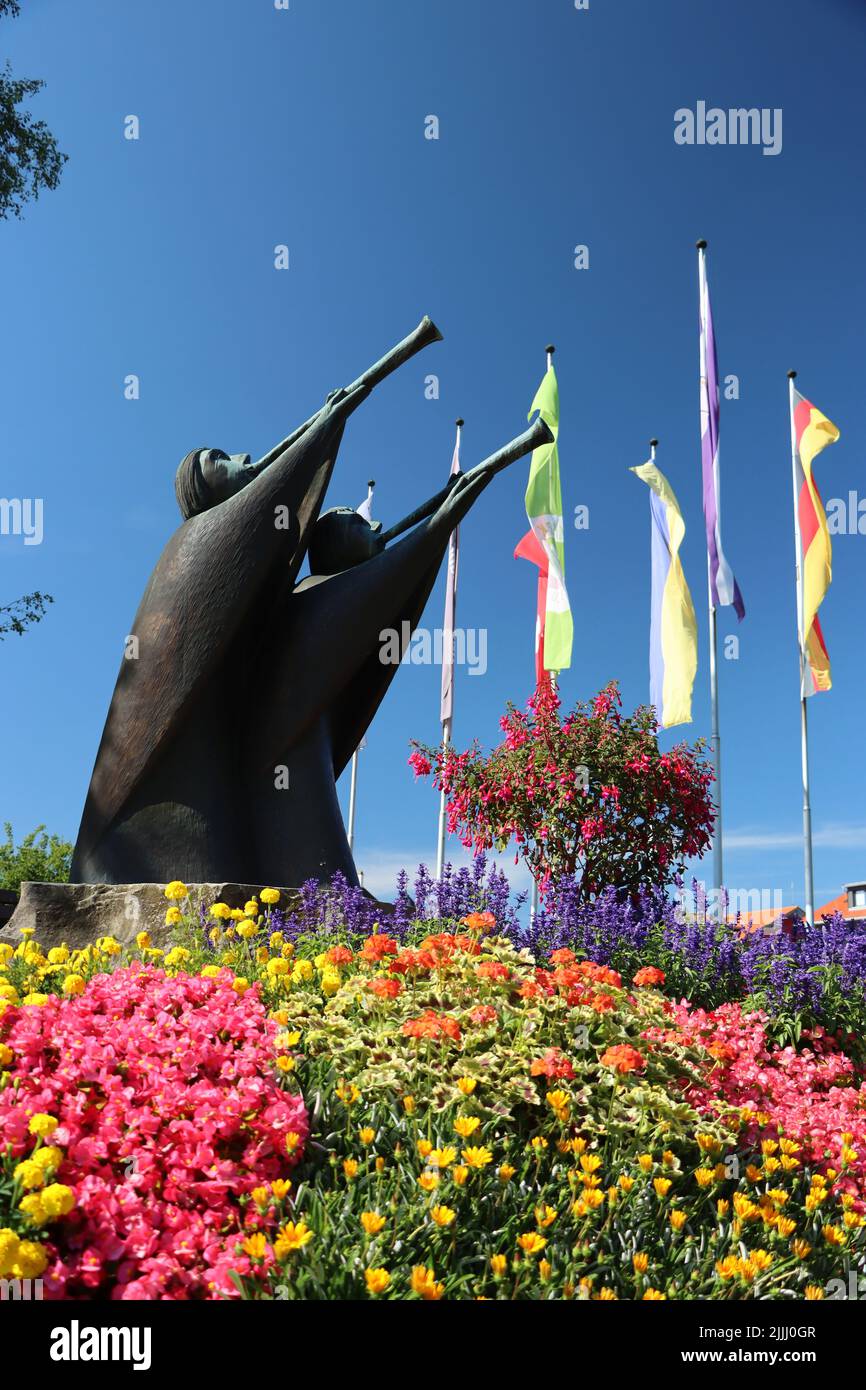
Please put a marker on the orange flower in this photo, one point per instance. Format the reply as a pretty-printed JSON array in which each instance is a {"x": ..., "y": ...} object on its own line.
[
  {"x": 623, "y": 1059},
  {"x": 649, "y": 975},
  {"x": 479, "y": 921}
]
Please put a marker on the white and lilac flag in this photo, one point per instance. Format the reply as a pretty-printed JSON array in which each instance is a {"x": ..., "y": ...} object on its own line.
[
  {"x": 724, "y": 588},
  {"x": 446, "y": 709},
  {"x": 366, "y": 508}
]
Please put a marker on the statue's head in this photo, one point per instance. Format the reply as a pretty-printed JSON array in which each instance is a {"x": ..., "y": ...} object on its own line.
[
  {"x": 343, "y": 538},
  {"x": 207, "y": 477}
]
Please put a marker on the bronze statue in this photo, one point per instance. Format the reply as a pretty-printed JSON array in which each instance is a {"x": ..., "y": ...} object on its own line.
[{"x": 246, "y": 693}]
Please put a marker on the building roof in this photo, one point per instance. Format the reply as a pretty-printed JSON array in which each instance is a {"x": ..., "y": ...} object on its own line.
[
  {"x": 840, "y": 904},
  {"x": 765, "y": 917}
]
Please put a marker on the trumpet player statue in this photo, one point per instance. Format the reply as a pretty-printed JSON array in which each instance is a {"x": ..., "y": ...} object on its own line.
[{"x": 245, "y": 693}]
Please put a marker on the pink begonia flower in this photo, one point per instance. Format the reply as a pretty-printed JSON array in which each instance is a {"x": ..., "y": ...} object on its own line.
[{"x": 169, "y": 1112}]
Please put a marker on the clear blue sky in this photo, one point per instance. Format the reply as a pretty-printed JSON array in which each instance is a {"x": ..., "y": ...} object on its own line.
[{"x": 306, "y": 127}]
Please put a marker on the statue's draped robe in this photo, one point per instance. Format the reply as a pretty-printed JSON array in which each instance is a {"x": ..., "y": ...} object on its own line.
[{"x": 226, "y": 735}]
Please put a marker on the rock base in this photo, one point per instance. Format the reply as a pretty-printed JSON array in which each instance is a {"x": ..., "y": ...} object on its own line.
[{"x": 75, "y": 914}]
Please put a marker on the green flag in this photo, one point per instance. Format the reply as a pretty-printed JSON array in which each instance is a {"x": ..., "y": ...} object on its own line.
[{"x": 544, "y": 510}]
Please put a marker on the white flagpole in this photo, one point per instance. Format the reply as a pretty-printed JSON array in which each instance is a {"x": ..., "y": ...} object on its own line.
[
  {"x": 715, "y": 736},
  {"x": 366, "y": 511},
  {"x": 533, "y": 906},
  {"x": 804, "y": 726},
  {"x": 447, "y": 723}
]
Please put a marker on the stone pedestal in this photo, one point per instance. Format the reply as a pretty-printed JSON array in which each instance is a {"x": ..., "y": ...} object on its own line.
[{"x": 75, "y": 914}]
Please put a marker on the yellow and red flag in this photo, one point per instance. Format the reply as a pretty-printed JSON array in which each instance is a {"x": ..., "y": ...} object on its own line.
[{"x": 812, "y": 432}]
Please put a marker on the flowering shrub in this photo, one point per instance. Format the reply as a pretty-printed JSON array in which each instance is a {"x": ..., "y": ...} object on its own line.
[
  {"x": 589, "y": 795},
  {"x": 161, "y": 1099}
]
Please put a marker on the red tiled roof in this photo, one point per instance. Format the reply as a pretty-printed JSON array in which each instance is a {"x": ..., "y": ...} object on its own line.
[
  {"x": 840, "y": 904},
  {"x": 766, "y": 917}
]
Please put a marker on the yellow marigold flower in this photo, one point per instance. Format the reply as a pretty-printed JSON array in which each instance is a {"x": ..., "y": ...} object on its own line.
[
  {"x": 6, "y": 1055},
  {"x": 270, "y": 896},
  {"x": 285, "y": 1064},
  {"x": 641, "y": 1262},
  {"x": 377, "y": 1281},
  {"x": 466, "y": 1085},
  {"x": 57, "y": 1200},
  {"x": 466, "y": 1125},
  {"x": 350, "y": 1168},
  {"x": 302, "y": 972},
  {"x": 236, "y": 914},
  {"x": 41, "y": 1124},
  {"x": 506, "y": 1172},
  {"x": 9, "y": 1245},
  {"x": 459, "y": 1174},
  {"x": 74, "y": 984},
  {"x": 531, "y": 1243},
  {"x": 443, "y": 1216},
  {"x": 221, "y": 911},
  {"x": 173, "y": 918},
  {"x": 428, "y": 1182},
  {"x": 477, "y": 1157},
  {"x": 646, "y": 1162},
  {"x": 246, "y": 930},
  {"x": 372, "y": 1222},
  {"x": 801, "y": 1248},
  {"x": 662, "y": 1186},
  {"x": 211, "y": 972},
  {"x": 544, "y": 1216},
  {"x": 424, "y": 1284},
  {"x": 28, "y": 1174},
  {"x": 58, "y": 955},
  {"x": 251, "y": 909},
  {"x": 176, "y": 890},
  {"x": 31, "y": 1262},
  {"x": 330, "y": 982},
  {"x": 36, "y": 999},
  {"x": 653, "y": 1296},
  {"x": 678, "y": 1220},
  {"x": 256, "y": 1246},
  {"x": 626, "y": 1183},
  {"x": 498, "y": 1263},
  {"x": 813, "y": 1292},
  {"x": 287, "y": 950},
  {"x": 240, "y": 984},
  {"x": 293, "y": 1236},
  {"x": 48, "y": 1157},
  {"x": 424, "y": 1148},
  {"x": 8, "y": 992},
  {"x": 440, "y": 1158},
  {"x": 409, "y": 1105},
  {"x": 278, "y": 967},
  {"x": 366, "y": 1135}
]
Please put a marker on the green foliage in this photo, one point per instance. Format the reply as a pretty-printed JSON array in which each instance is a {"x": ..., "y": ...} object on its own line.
[
  {"x": 23, "y": 613},
  {"x": 40, "y": 858},
  {"x": 29, "y": 158}
]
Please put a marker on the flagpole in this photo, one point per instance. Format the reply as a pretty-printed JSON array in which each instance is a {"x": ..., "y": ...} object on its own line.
[
  {"x": 533, "y": 906},
  {"x": 366, "y": 511},
  {"x": 804, "y": 725},
  {"x": 447, "y": 724},
  {"x": 715, "y": 736}
]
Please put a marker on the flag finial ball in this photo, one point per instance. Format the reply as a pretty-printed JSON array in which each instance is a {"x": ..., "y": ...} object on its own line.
[
  {"x": 791, "y": 376},
  {"x": 654, "y": 443},
  {"x": 460, "y": 424},
  {"x": 701, "y": 245},
  {"x": 371, "y": 482},
  {"x": 550, "y": 348}
]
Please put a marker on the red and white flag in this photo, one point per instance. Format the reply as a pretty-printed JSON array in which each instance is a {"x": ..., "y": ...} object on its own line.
[{"x": 531, "y": 549}]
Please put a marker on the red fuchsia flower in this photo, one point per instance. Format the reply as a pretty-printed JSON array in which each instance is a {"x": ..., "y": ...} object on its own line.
[
  {"x": 169, "y": 1113},
  {"x": 649, "y": 975},
  {"x": 419, "y": 764},
  {"x": 429, "y": 1024},
  {"x": 554, "y": 1064},
  {"x": 623, "y": 1059},
  {"x": 384, "y": 987},
  {"x": 378, "y": 946}
]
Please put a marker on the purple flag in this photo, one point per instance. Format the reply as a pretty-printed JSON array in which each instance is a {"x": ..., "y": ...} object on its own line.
[
  {"x": 723, "y": 586},
  {"x": 446, "y": 710}
]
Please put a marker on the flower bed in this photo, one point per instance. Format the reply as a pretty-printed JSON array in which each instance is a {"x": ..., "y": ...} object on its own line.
[{"x": 482, "y": 1123}]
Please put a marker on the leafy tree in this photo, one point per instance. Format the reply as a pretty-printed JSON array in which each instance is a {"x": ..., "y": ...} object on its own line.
[
  {"x": 589, "y": 795},
  {"x": 40, "y": 858},
  {"x": 25, "y": 611},
  {"x": 29, "y": 158}
]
